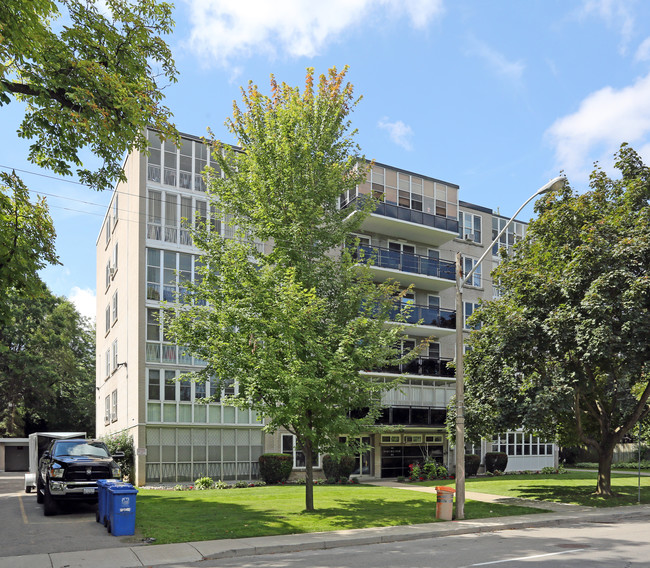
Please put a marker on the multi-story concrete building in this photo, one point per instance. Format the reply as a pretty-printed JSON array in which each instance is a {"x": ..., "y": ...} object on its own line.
[{"x": 145, "y": 255}]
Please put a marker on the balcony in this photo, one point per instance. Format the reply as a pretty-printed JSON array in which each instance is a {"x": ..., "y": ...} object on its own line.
[
  {"x": 433, "y": 321},
  {"x": 422, "y": 366},
  {"x": 406, "y": 223},
  {"x": 423, "y": 272}
]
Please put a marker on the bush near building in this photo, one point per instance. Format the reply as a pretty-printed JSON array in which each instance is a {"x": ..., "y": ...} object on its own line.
[
  {"x": 496, "y": 461},
  {"x": 275, "y": 468}
]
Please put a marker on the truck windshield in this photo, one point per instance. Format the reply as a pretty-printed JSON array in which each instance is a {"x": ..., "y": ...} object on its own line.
[{"x": 94, "y": 449}]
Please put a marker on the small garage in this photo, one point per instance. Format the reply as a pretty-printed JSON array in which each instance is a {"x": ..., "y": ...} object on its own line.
[{"x": 14, "y": 454}]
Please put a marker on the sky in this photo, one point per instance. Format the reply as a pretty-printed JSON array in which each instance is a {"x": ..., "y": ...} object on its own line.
[{"x": 497, "y": 97}]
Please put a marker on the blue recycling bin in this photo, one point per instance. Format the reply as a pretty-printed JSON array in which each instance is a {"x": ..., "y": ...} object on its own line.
[
  {"x": 121, "y": 509},
  {"x": 102, "y": 499}
]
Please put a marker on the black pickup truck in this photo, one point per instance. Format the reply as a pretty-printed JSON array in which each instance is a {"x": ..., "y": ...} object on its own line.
[{"x": 69, "y": 470}]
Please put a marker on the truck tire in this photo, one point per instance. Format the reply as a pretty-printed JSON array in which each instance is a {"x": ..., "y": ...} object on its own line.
[
  {"x": 39, "y": 490},
  {"x": 49, "y": 504}
]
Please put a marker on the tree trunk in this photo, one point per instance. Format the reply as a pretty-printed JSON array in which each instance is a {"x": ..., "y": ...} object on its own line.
[
  {"x": 309, "y": 476},
  {"x": 605, "y": 458}
]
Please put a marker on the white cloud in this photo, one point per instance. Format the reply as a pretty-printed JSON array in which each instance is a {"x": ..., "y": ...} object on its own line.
[
  {"x": 499, "y": 63},
  {"x": 615, "y": 13},
  {"x": 604, "y": 120},
  {"x": 223, "y": 30},
  {"x": 399, "y": 132},
  {"x": 85, "y": 301},
  {"x": 643, "y": 51}
]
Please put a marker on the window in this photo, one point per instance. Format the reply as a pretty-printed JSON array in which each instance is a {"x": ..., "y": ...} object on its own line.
[
  {"x": 512, "y": 235},
  {"x": 521, "y": 444},
  {"x": 107, "y": 228},
  {"x": 153, "y": 161},
  {"x": 107, "y": 410},
  {"x": 469, "y": 227},
  {"x": 108, "y": 274},
  {"x": 170, "y": 385},
  {"x": 108, "y": 363},
  {"x": 114, "y": 260},
  {"x": 154, "y": 216},
  {"x": 115, "y": 307},
  {"x": 115, "y": 355},
  {"x": 108, "y": 319},
  {"x": 391, "y": 438},
  {"x": 115, "y": 211},
  {"x": 470, "y": 308},
  {"x": 153, "y": 274},
  {"x": 114, "y": 406},
  {"x": 290, "y": 447},
  {"x": 185, "y": 390},
  {"x": 468, "y": 264},
  {"x": 154, "y": 384}
]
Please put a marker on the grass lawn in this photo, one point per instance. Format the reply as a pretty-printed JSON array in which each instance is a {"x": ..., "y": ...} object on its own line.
[
  {"x": 183, "y": 516},
  {"x": 575, "y": 487}
]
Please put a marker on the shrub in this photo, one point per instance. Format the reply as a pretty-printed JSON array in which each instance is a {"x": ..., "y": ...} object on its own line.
[
  {"x": 221, "y": 485},
  {"x": 122, "y": 442},
  {"x": 472, "y": 463},
  {"x": 204, "y": 483},
  {"x": 275, "y": 468},
  {"x": 241, "y": 484},
  {"x": 496, "y": 461},
  {"x": 334, "y": 468}
]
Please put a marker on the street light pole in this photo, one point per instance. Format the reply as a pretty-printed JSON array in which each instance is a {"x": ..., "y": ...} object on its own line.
[{"x": 555, "y": 183}]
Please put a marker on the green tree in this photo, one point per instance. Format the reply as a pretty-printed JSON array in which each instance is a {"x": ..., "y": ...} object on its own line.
[
  {"x": 565, "y": 351},
  {"x": 293, "y": 325},
  {"x": 26, "y": 237},
  {"x": 90, "y": 79},
  {"x": 47, "y": 365}
]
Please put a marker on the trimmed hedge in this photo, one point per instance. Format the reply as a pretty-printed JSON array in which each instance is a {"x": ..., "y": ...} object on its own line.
[
  {"x": 496, "y": 461},
  {"x": 472, "y": 463},
  {"x": 338, "y": 468},
  {"x": 275, "y": 468}
]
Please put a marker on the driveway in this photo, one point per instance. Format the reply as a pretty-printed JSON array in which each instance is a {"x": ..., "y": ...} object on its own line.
[{"x": 24, "y": 529}]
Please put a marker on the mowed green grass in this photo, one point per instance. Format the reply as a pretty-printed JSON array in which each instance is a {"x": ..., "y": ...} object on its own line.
[
  {"x": 184, "y": 516},
  {"x": 576, "y": 488}
]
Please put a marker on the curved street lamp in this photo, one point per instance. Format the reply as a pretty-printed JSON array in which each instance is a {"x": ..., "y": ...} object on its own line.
[{"x": 555, "y": 184}]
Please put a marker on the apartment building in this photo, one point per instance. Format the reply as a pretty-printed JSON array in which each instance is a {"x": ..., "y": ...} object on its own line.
[{"x": 145, "y": 256}]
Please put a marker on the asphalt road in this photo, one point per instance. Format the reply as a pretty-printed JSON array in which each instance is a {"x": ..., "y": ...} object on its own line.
[
  {"x": 589, "y": 544},
  {"x": 24, "y": 529}
]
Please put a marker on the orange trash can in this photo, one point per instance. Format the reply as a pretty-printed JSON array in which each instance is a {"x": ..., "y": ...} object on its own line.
[{"x": 445, "y": 503}]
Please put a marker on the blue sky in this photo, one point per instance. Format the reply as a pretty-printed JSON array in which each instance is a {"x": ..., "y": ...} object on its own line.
[{"x": 497, "y": 97}]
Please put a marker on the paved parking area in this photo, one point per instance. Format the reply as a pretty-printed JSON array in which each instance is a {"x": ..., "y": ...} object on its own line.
[{"x": 24, "y": 529}]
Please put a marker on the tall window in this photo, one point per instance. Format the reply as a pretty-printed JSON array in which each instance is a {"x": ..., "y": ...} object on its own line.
[
  {"x": 108, "y": 319},
  {"x": 108, "y": 363},
  {"x": 154, "y": 215},
  {"x": 115, "y": 210},
  {"x": 114, "y": 406},
  {"x": 154, "y": 384},
  {"x": 469, "y": 309},
  {"x": 512, "y": 235},
  {"x": 115, "y": 307},
  {"x": 290, "y": 447},
  {"x": 107, "y": 410},
  {"x": 468, "y": 264},
  {"x": 114, "y": 355},
  {"x": 469, "y": 227}
]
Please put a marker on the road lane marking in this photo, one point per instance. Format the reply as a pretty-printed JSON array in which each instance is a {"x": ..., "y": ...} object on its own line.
[
  {"x": 522, "y": 558},
  {"x": 22, "y": 510}
]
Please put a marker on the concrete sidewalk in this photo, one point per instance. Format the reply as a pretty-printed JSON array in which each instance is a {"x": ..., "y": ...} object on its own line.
[{"x": 187, "y": 553}]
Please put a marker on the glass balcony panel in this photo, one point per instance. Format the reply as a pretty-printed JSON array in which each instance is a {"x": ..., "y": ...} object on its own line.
[{"x": 153, "y": 173}]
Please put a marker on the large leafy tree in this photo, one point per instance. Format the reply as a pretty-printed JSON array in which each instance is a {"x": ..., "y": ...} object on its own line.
[
  {"x": 26, "y": 238},
  {"x": 565, "y": 351},
  {"x": 89, "y": 77},
  {"x": 293, "y": 325},
  {"x": 47, "y": 365}
]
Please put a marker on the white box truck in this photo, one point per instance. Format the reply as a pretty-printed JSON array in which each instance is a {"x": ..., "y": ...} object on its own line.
[{"x": 38, "y": 443}]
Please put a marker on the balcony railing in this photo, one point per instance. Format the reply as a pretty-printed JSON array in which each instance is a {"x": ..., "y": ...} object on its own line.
[
  {"x": 425, "y": 366},
  {"x": 430, "y": 316},
  {"x": 407, "y": 214},
  {"x": 405, "y": 262}
]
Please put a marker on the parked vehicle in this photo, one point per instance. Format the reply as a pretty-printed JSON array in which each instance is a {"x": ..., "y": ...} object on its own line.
[
  {"x": 38, "y": 443},
  {"x": 69, "y": 469}
]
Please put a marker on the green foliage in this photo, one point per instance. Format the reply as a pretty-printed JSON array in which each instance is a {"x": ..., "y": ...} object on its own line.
[
  {"x": 26, "y": 238},
  {"x": 337, "y": 468},
  {"x": 294, "y": 325},
  {"x": 472, "y": 463},
  {"x": 221, "y": 485},
  {"x": 275, "y": 468},
  {"x": 204, "y": 483},
  {"x": 90, "y": 79},
  {"x": 565, "y": 351},
  {"x": 47, "y": 365},
  {"x": 496, "y": 461},
  {"x": 123, "y": 442}
]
